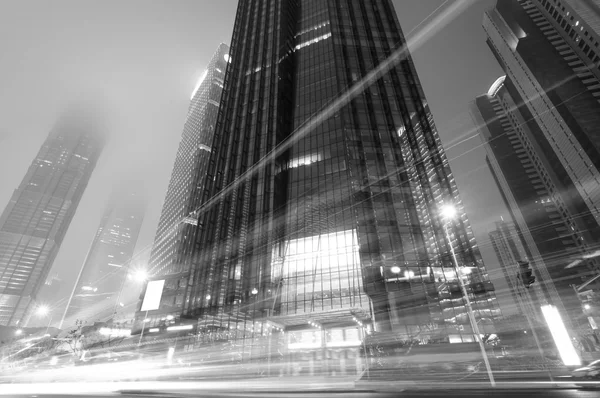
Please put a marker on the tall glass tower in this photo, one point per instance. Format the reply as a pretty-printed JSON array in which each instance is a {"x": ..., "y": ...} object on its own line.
[
  {"x": 188, "y": 171},
  {"x": 509, "y": 249},
  {"x": 541, "y": 123},
  {"x": 327, "y": 227},
  {"x": 98, "y": 288},
  {"x": 36, "y": 219}
]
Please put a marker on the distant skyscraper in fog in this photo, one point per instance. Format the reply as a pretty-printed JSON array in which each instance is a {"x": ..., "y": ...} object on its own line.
[
  {"x": 186, "y": 184},
  {"x": 34, "y": 223},
  {"x": 108, "y": 261},
  {"x": 542, "y": 125}
]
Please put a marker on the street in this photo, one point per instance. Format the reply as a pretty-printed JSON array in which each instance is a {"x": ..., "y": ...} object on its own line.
[
  {"x": 275, "y": 388},
  {"x": 358, "y": 394}
]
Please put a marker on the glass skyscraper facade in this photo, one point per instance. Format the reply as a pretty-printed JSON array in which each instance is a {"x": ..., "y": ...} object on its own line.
[
  {"x": 510, "y": 250},
  {"x": 183, "y": 192},
  {"x": 541, "y": 125},
  {"x": 98, "y": 290},
  {"x": 36, "y": 219},
  {"x": 318, "y": 229}
]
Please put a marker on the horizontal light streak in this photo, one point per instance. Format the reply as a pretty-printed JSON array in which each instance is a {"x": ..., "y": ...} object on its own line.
[
  {"x": 312, "y": 41},
  {"x": 179, "y": 327}
]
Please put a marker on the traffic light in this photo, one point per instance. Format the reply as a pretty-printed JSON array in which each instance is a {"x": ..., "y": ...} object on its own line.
[{"x": 526, "y": 274}]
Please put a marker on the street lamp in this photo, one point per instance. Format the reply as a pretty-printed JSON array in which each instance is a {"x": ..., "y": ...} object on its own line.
[
  {"x": 448, "y": 213},
  {"x": 146, "y": 320},
  {"x": 140, "y": 275},
  {"x": 254, "y": 291},
  {"x": 42, "y": 311},
  {"x": 395, "y": 269}
]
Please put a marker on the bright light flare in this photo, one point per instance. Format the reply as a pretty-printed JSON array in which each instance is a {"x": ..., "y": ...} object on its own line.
[
  {"x": 561, "y": 336},
  {"x": 42, "y": 310},
  {"x": 140, "y": 275},
  {"x": 448, "y": 212},
  {"x": 18, "y": 332},
  {"x": 395, "y": 269}
]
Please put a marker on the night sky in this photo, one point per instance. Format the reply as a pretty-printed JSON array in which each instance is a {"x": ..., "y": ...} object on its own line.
[{"x": 143, "y": 58}]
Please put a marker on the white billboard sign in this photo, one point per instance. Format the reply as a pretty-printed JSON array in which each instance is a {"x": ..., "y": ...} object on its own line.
[{"x": 153, "y": 295}]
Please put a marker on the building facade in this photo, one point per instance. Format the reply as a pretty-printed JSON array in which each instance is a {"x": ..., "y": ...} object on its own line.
[
  {"x": 184, "y": 188},
  {"x": 319, "y": 226},
  {"x": 509, "y": 249},
  {"x": 36, "y": 219},
  {"x": 542, "y": 127},
  {"x": 98, "y": 289}
]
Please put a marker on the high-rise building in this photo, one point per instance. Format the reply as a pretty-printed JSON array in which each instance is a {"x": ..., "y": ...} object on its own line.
[
  {"x": 521, "y": 171},
  {"x": 36, "y": 219},
  {"x": 185, "y": 186},
  {"x": 321, "y": 223},
  {"x": 509, "y": 249},
  {"x": 542, "y": 125},
  {"x": 52, "y": 289},
  {"x": 98, "y": 289}
]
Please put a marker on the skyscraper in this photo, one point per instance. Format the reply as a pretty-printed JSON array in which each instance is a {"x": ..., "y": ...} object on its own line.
[
  {"x": 328, "y": 222},
  {"x": 542, "y": 129},
  {"x": 36, "y": 219},
  {"x": 190, "y": 165},
  {"x": 102, "y": 276},
  {"x": 510, "y": 251}
]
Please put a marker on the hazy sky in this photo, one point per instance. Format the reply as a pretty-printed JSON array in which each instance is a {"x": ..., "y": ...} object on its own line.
[{"x": 144, "y": 57}]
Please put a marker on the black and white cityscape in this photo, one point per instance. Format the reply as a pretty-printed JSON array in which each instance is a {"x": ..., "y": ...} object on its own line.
[{"x": 300, "y": 197}]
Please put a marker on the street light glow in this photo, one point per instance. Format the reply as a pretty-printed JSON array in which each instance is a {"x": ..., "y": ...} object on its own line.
[
  {"x": 254, "y": 291},
  {"x": 448, "y": 211},
  {"x": 587, "y": 306},
  {"x": 395, "y": 269},
  {"x": 42, "y": 310},
  {"x": 140, "y": 275},
  {"x": 18, "y": 332}
]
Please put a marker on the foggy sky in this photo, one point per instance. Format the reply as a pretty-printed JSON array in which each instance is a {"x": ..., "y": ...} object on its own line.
[{"x": 143, "y": 58}]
